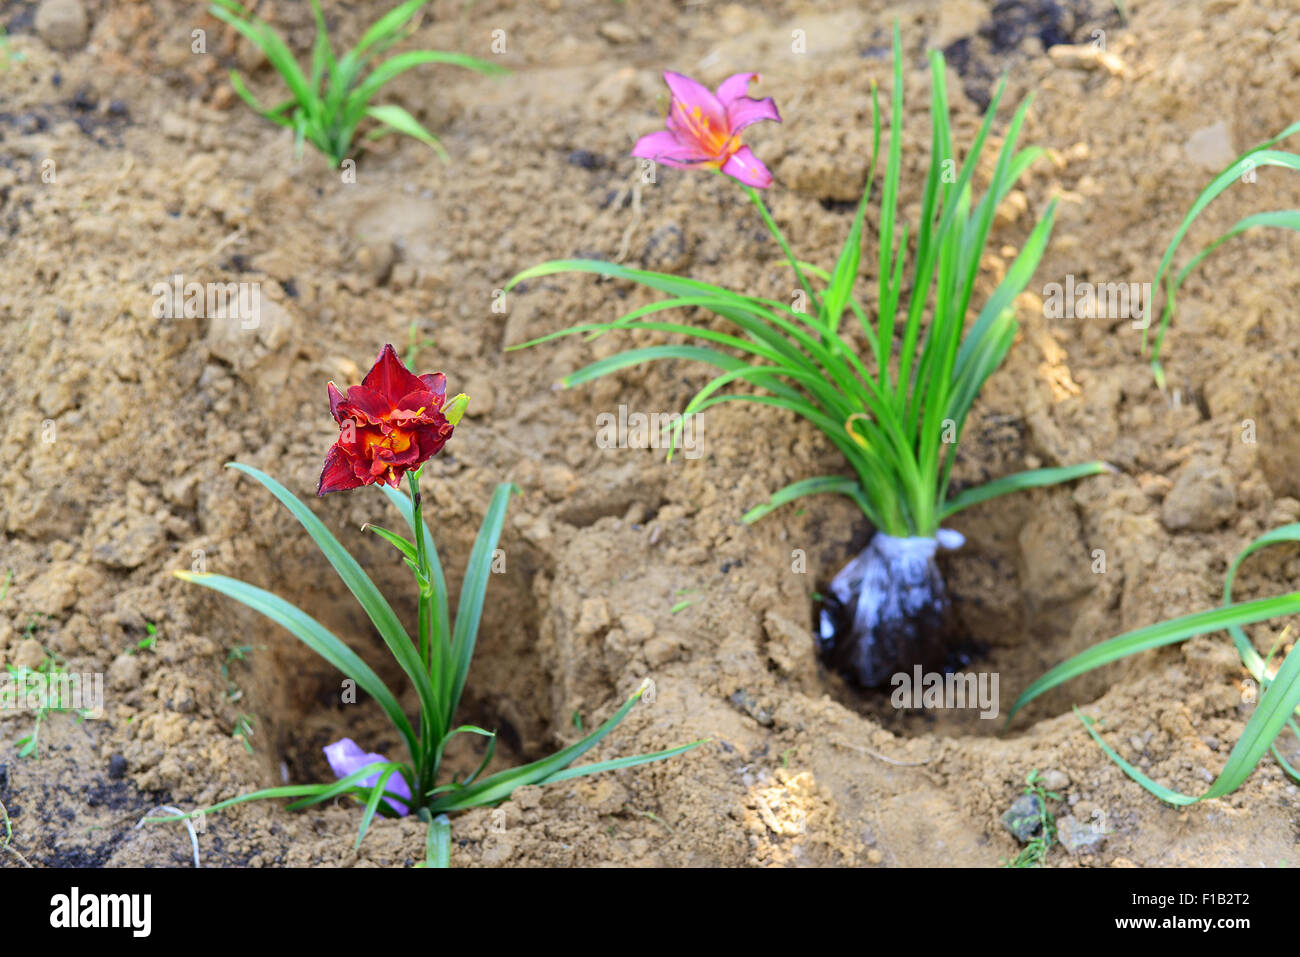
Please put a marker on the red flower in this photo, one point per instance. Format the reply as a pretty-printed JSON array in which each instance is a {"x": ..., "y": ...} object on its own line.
[{"x": 390, "y": 423}]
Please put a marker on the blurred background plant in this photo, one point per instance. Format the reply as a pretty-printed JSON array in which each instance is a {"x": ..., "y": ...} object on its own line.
[
  {"x": 1242, "y": 169},
  {"x": 1276, "y": 688},
  {"x": 327, "y": 105}
]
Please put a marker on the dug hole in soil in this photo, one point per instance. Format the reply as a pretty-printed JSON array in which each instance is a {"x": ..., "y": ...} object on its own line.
[{"x": 117, "y": 425}]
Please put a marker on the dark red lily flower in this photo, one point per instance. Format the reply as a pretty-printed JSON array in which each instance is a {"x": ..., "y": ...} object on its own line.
[{"x": 389, "y": 424}]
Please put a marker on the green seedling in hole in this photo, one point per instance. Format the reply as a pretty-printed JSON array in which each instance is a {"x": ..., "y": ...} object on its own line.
[
  {"x": 436, "y": 661},
  {"x": 577, "y": 719},
  {"x": 29, "y": 746},
  {"x": 238, "y": 653},
  {"x": 4, "y": 589},
  {"x": 148, "y": 642},
  {"x": 686, "y": 603},
  {"x": 243, "y": 731},
  {"x": 415, "y": 344},
  {"x": 1036, "y": 850}
]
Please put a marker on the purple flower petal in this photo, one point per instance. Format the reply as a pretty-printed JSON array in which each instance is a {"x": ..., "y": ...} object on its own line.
[
  {"x": 664, "y": 147},
  {"x": 734, "y": 86},
  {"x": 746, "y": 167},
  {"x": 346, "y": 757},
  {"x": 743, "y": 112},
  {"x": 692, "y": 95}
]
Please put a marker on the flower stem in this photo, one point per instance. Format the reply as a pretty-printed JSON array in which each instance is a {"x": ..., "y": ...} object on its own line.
[
  {"x": 426, "y": 770},
  {"x": 422, "y": 564},
  {"x": 775, "y": 230}
]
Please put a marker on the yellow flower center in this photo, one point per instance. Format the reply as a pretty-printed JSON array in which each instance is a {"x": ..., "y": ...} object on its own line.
[
  {"x": 399, "y": 440},
  {"x": 713, "y": 141}
]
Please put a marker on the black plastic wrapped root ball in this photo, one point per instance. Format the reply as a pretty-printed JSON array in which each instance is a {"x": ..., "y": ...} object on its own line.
[{"x": 888, "y": 610}]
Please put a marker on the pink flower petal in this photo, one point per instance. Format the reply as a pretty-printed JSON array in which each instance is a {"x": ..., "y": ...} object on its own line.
[
  {"x": 664, "y": 147},
  {"x": 734, "y": 86},
  {"x": 692, "y": 94},
  {"x": 695, "y": 115},
  {"x": 745, "y": 166},
  {"x": 743, "y": 112}
]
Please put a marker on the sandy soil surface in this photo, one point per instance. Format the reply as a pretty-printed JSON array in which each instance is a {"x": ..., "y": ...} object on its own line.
[{"x": 116, "y": 426}]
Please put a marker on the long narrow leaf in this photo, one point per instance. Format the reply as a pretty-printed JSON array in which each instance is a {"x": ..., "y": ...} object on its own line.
[
  {"x": 313, "y": 634},
  {"x": 358, "y": 582}
]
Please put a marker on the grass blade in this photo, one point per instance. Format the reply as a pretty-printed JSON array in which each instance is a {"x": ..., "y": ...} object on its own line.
[
  {"x": 400, "y": 121},
  {"x": 1033, "y": 478},
  {"x": 823, "y": 484},
  {"x": 1156, "y": 636},
  {"x": 376, "y": 606},
  {"x": 469, "y": 611},
  {"x": 316, "y": 637}
]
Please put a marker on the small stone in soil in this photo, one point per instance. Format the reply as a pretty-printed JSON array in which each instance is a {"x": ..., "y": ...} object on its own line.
[
  {"x": 743, "y": 700},
  {"x": 1023, "y": 818},
  {"x": 62, "y": 24},
  {"x": 585, "y": 159},
  {"x": 1078, "y": 837},
  {"x": 1054, "y": 780}
]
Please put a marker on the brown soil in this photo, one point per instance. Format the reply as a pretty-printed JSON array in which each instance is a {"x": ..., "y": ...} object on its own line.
[{"x": 160, "y": 171}]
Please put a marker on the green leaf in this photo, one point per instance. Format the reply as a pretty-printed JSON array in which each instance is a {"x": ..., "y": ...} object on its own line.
[
  {"x": 438, "y": 843},
  {"x": 372, "y": 802},
  {"x": 478, "y": 572},
  {"x": 279, "y": 55},
  {"x": 386, "y": 71},
  {"x": 1261, "y": 155},
  {"x": 388, "y": 27},
  {"x": 823, "y": 484},
  {"x": 358, "y": 582},
  {"x": 500, "y": 786},
  {"x": 316, "y": 637},
  {"x": 397, "y": 541},
  {"x": 1156, "y": 636},
  {"x": 1271, "y": 715},
  {"x": 401, "y": 121},
  {"x": 599, "y": 767},
  {"x": 1019, "y": 481},
  {"x": 439, "y": 583}
]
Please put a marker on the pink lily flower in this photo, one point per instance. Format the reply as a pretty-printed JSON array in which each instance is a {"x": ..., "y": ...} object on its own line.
[{"x": 704, "y": 129}]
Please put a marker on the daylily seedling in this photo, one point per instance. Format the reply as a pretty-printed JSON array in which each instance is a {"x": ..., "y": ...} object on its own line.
[
  {"x": 1280, "y": 689},
  {"x": 326, "y": 107},
  {"x": 388, "y": 427},
  {"x": 898, "y": 416},
  {"x": 1243, "y": 166}
]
